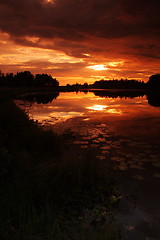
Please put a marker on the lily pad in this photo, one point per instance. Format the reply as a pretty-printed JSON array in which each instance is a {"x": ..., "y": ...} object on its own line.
[
  {"x": 105, "y": 147},
  {"x": 138, "y": 177},
  {"x": 100, "y": 157},
  {"x": 94, "y": 145},
  {"x": 101, "y": 139},
  {"x": 123, "y": 167},
  {"x": 84, "y": 146},
  {"x": 131, "y": 162},
  {"x": 117, "y": 159},
  {"x": 136, "y": 167},
  {"x": 156, "y": 164},
  {"x": 95, "y": 141},
  {"x": 105, "y": 152},
  {"x": 80, "y": 142},
  {"x": 156, "y": 175}
]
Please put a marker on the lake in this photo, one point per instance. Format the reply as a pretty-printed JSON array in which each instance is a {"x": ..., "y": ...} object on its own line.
[{"x": 120, "y": 128}]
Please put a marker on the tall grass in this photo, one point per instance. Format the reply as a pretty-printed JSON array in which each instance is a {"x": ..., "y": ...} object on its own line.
[{"x": 48, "y": 192}]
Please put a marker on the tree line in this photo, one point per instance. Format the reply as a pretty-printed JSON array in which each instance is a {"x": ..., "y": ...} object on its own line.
[
  {"x": 27, "y": 79},
  {"x": 110, "y": 84},
  {"x": 152, "y": 84},
  {"x": 119, "y": 84}
]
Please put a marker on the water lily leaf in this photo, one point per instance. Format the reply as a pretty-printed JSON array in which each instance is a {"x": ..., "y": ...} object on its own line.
[
  {"x": 156, "y": 175},
  {"x": 118, "y": 159},
  {"x": 105, "y": 147},
  {"x": 100, "y": 157},
  {"x": 156, "y": 164},
  {"x": 138, "y": 177}
]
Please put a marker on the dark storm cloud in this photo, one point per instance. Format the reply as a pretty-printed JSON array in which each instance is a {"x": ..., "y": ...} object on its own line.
[{"x": 71, "y": 24}]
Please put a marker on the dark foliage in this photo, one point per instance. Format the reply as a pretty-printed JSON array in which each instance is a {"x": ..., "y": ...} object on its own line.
[
  {"x": 48, "y": 192},
  {"x": 27, "y": 79},
  {"x": 110, "y": 84},
  {"x": 42, "y": 80},
  {"x": 119, "y": 84},
  {"x": 154, "y": 82}
]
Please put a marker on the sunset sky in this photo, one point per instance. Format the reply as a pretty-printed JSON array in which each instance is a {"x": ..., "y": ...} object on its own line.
[{"x": 81, "y": 40}]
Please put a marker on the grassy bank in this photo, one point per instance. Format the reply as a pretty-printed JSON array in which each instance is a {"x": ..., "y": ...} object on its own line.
[{"x": 46, "y": 192}]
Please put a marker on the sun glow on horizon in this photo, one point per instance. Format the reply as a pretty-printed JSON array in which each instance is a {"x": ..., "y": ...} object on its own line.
[
  {"x": 42, "y": 55},
  {"x": 99, "y": 67}
]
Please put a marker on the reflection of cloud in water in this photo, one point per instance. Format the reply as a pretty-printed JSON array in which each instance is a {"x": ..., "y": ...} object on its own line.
[
  {"x": 65, "y": 115},
  {"x": 103, "y": 108},
  {"x": 39, "y": 118},
  {"x": 52, "y": 118}
]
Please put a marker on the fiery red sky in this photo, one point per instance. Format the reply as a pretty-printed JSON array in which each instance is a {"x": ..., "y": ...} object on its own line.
[{"x": 81, "y": 40}]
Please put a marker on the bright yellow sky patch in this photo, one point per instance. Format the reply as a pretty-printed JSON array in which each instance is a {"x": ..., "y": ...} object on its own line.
[{"x": 99, "y": 67}]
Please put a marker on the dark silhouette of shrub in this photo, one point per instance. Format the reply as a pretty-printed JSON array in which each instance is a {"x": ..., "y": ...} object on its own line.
[
  {"x": 154, "y": 82},
  {"x": 119, "y": 84}
]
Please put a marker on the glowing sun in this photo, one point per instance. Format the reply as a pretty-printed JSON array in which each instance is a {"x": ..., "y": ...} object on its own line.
[{"x": 98, "y": 67}]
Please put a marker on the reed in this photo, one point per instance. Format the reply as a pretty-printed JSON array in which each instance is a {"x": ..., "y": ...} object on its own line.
[{"x": 47, "y": 192}]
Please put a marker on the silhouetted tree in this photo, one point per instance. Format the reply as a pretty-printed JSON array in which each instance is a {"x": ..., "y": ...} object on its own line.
[
  {"x": 2, "y": 79},
  {"x": 85, "y": 85},
  {"x": 23, "y": 79},
  {"x": 154, "y": 82},
  {"x": 10, "y": 79},
  {"x": 119, "y": 84},
  {"x": 45, "y": 80}
]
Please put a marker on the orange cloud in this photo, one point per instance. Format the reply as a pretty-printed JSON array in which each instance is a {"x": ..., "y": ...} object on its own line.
[{"x": 67, "y": 38}]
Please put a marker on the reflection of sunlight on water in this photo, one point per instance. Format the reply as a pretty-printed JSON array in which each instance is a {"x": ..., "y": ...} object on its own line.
[
  {"x": 97, "y": 107},
  {"x": 103, "y": 108},
  {"x": 86, "y": 119},
  {"x": 75, "y": 95},
  {"x": 52, "y": 107}
]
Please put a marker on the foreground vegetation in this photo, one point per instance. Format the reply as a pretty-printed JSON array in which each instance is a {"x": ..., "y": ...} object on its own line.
[{"x": 46, "y": 192}]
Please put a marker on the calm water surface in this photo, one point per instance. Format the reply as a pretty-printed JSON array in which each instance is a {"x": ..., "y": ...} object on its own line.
[{"x": 123, "y": 131}]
